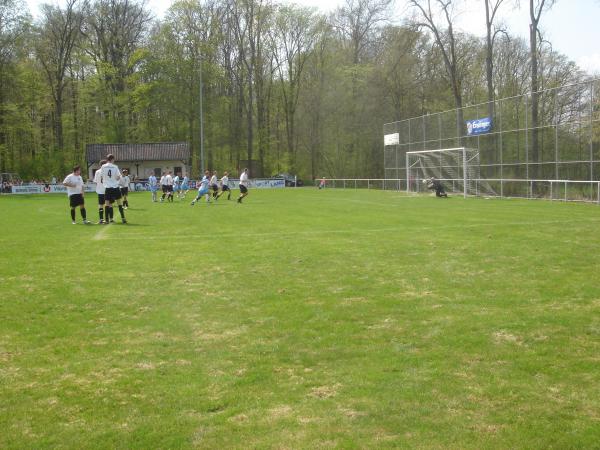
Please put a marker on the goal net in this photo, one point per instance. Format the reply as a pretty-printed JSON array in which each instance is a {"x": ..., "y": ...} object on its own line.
[{"x": 458, "y": 169}]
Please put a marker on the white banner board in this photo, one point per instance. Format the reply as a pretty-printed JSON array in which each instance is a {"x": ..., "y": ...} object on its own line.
[{"x": 391, "y": 139}]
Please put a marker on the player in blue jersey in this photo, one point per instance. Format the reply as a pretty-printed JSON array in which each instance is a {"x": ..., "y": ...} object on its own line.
[
  {"x": 176, "y": 184},
  {"x": 185, "y": 186},
  {"x": 204, "y": 188},
  {"x": 153, "y": 187}
]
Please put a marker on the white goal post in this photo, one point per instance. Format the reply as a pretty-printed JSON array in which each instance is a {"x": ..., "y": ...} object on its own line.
[{"x": 458, "y": 169}]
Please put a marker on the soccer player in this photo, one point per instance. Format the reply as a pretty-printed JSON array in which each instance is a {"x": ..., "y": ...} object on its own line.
[
  {"x": 169, "y": 184},
  {"x": 185, "y": 186},
  {"x": 74, "y": 184},
  {"x": 224, "y": 182},
  {"x": 163, "y": 186},
  {"x": 100, "y": 191},
  {"x": 435, "y": 185},
  {"x": 243, "y": 185},
  {"x": 176, "y": 184},
  {"x": 203, "y": 190},
  {"x": 124, "y": 186},
  {"x": 110, "y": 178},
  {"x": 214, "y": 185},
  {"x": 153, "y": 186},
  {"x": 322, "y": 183}
]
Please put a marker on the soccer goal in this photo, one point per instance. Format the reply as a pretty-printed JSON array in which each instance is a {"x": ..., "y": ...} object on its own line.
[{"x": 458, "y": 169}]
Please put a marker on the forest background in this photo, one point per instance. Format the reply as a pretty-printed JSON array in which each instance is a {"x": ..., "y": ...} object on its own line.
[{"x": 283, "y": 87}]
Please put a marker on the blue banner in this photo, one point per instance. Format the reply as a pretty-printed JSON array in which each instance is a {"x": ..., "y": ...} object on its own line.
[{"x": 479, "y": 126}]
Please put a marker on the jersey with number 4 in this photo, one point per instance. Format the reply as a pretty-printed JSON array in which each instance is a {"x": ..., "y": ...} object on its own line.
[{"x": 110, "y": 175}]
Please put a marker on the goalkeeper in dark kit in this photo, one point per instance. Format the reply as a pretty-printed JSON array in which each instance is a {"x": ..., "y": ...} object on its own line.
[{"x": 435, "y": 185}]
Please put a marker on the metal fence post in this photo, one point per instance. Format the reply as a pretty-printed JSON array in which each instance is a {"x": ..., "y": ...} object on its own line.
[
  {"x": 407, "y": 175},
  {"x": 526, "y": 140},
  {"x": 591, "y": 130},
  {"x": 464, "y": 155}
]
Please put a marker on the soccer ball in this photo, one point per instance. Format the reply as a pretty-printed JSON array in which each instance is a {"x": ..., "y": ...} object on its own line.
[{"x": 425, "y": 181}]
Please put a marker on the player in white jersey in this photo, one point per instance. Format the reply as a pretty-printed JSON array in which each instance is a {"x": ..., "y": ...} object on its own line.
[
  {"x": 243, "y": 185},
  {"x": 224, "y": 182},
  {"x": 176, "y": 184},
  {"x": 163, "y": 186},
  {"x": 214, "y": 185},
  {"x": 153, "y": 186},
  {"x": 203, "y": 189},
  {"x": 124, "y": 186},
  {"x": 110, "y": 178},
  {"x": 100, "y": 191},
  {"x": 74, "y": 184},
  {"x": 167, "y": 186}
]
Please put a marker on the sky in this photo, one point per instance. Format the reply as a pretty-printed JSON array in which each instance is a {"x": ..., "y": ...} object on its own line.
[{"x": 572, "y": 26}]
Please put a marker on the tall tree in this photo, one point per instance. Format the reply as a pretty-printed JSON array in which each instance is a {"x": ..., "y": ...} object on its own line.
[
  {"x": 536, "y": 8},
  {"x": 13, "y": 26},
  {"x": 294, "y": 35},
  {"x": 116, "y": 29},
  {"x": 491, "y": 11},
  {"x": 357, "y": 20},
  {"x": 250, "y": 20},
  {"x": 446, "y": 41},
  {"x": 58, "y": 34}
]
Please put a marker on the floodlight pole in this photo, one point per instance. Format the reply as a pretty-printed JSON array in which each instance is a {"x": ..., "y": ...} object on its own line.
[{"x": 201, "y": 124}]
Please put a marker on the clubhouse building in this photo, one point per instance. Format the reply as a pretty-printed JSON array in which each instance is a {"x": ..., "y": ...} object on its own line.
[{"x": 142, "y": 160}]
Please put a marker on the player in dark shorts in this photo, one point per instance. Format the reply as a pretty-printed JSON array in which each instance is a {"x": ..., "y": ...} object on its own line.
[
  {"x": 243, "y": 185},
  {"x": 124, "y": 185},
  {"x": 224, "y": 182},
  {"x": 437, "y": 186},
  {"x": 110, "y": 178},
  {"x": 74, "y": 184},
  {"x": 214, "y": 185},
  {"x": 100, "y": 191}
]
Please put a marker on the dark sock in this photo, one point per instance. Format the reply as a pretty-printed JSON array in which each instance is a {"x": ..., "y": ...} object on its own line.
[
  {"x": 72, "y": 214},
  {"x": 107, "y": 212},
  {"x": 121, "y": 212},
  {"x": 83, "y": 214},
  {"x": 111, "y": 212},
  {"x": 101, "y": 213}
]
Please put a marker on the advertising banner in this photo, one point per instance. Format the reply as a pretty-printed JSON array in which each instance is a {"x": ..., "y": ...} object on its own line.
[
  {"x": 479, "y": 126},
  {"x": 258, "y": 183},
  {"x": 48, "y": 188}
]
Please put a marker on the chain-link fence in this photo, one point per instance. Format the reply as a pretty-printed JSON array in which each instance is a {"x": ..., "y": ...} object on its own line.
[{"x": 561, "y": 141}]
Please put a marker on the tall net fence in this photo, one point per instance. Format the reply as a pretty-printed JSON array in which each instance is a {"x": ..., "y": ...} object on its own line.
[{"x": 519, "y": 156}]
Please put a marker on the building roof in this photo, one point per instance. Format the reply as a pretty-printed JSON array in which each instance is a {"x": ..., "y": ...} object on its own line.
[{"x": 153, "y": 151}]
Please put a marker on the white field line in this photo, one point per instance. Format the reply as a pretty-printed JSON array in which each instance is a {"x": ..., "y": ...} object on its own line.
[
  {"x": 275, "y": 234},
  {"x": 100, "y": 235}
]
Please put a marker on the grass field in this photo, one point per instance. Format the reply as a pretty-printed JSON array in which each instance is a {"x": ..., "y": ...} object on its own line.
[{"x": 301, "y": 319}]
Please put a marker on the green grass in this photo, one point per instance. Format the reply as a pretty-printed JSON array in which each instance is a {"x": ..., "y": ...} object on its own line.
[{"x": 301, "y": 319}]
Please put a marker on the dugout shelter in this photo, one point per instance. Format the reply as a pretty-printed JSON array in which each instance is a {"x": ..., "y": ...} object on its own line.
[{"x": 142, "y": 160}]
